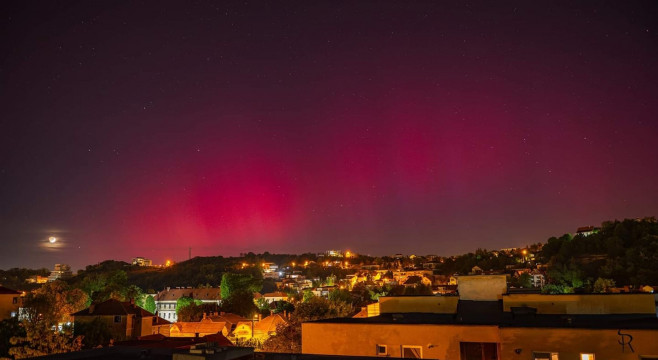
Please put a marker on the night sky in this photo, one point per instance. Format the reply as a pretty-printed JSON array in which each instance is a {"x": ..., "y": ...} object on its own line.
[{"x": 144, "y": 128}]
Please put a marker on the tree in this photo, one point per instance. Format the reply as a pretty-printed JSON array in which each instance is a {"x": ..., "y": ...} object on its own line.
[
  {"x": 9, "y": 328},
  {"x": 232, "y": 282},
  {"x": 288, "y": 337},
  {"x": 240, "y": 302},
  {"x": 602, "y": 285},
  {"x": 94, "y": 333},
  {"x": 185, "y": 301},
  {"x": 45, "y": 310},
  {"x": 194, "y": 312},
  {"x": 149, "y": 304}
]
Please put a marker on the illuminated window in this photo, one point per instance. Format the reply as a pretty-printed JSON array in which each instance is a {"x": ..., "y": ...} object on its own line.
[
  {"x": 412, "y": 352},
  {"x": 382, "y": 350},
  {"x": 545, "y": 355},
  {"x": 586, "y": 356}
]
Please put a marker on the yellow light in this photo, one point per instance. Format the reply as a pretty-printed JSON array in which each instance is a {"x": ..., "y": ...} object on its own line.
[
  {"x": 293, "y": 264},
  {"x": 263, "y": 264},
  {"x": 52, "y": 239},
  {"x": 348, "y": 254},
  {"x": 168, "y": 263},
  {"x": 305, "y": 263},
  {"x": 524, "y": 251}
]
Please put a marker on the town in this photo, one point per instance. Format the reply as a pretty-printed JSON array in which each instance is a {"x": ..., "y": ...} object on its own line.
[{"x": 597, "y": 285}]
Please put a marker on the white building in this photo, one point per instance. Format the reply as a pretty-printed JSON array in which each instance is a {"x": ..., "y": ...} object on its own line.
[
  {"x": 165, "y": 300},
  {"x": 61, "y": 271},
  {"x": 140, "y": 261}
]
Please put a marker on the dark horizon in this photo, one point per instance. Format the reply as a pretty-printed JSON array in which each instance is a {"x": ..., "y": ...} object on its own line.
[{"x": 143, "y": 129}]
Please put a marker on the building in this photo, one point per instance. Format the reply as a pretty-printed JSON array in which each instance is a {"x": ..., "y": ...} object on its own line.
[
  {"x": 10, "y": 302},
  {"x": 262, "y": 328},
  {"x": 165, "y": 300},
  {"x": 207, "y": 326},
  {"x": 485, "y": 322},
  {"x": 275, "y": 296},
  {"x": 37, "y": 279},
  {"x": 125, "y": 320},
  {"x": 140, "y": 261},
  {"x": 587, "y": 230},
  {"x": 61, "y": 271}
]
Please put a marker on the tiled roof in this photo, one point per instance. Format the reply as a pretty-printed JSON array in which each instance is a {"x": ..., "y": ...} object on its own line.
[
  {"x": 205, "y": 326},
  {"x": 270, "y": 323},
  {"x": 113, "y": 307},
  {"x": 8, "y": 291},
  {"x": 199, "y": 294},
  {"x": 276, "y": 294}
]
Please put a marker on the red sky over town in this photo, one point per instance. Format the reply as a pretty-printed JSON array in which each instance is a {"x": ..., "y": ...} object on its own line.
[{"x": 142, "y": 129}]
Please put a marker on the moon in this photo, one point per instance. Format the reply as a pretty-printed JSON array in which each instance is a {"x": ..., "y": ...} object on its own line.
[{"x": 52, "y": 239}]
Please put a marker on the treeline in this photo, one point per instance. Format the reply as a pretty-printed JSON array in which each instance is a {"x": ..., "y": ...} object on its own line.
[{"x": 621, "y": 252}]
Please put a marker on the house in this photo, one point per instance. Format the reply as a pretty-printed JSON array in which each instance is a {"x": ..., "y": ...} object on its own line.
[
  {"x": 275, "y": 296},
  {"x": 125, "y": 320},
  {"x": 10, "y": 301},
  {"x": 207, "y": 326},
  {"x": 165, "y": 301},
  {"x": 538, "y": 279},
  {"x": 485, "y": 322},
  {"x": 141, "y": 261},
  {"x": 261, "y": 328},
  {"x": 61, "y": 271},
  {"x": 230, "y": 319}
]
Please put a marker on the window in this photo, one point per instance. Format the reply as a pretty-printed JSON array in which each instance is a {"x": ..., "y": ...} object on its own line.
[
  {"x": 381, "y": 350},
  {"x": 117, "y": 318},
  {"x": 412, "y": 352},
  {"x": 15, "y": 300},
  {"x": 586, "y": 356},
  {"x": 545, "y": 355},
  {"x": 478, "y": 351}
]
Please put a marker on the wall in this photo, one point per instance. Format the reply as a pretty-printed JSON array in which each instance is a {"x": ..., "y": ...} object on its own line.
[
  {"x": 482, "y": 287},
  {"x": 569, "y": 343},
  {"x": 442, "y": 341},
  {"x": 7, "y": 305},
  {"x": 437, "y": 341},
  {"x": 418, "y": 304},
  {"x": 584, "y": 304}
]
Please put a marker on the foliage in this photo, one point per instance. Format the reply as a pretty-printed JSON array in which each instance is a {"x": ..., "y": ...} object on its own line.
[
  {"x": 94, "y": 333},
  {"x": 41, "y": 339},
  {"x": 53, "y": 303},
  {"x": 288, "y": 338},
  {"x": 185, "y": 301},
  {"x": 9, "y": 328},
  {"x": 240, "y": 302},
  {"x": 149, "y": 304},
  {"x": 602, "y": 285},
  {"x": 194, "y": 311},
  {"x": 14, "y": 278},
  {"x": 524, "y": 281},
  {"x": 234, "y": 282},
  {"x": 624, "y": 251}
]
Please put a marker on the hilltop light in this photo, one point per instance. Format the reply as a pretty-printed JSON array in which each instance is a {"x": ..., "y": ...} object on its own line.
[
  {"x": 348, "y": 254},
  {"x": 168, "y": 263}
]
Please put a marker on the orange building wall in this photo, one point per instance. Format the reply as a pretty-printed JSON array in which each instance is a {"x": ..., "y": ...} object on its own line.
[
  {"x": 437, "y": 341},
  {"x": 7, "y": 305},
  {"x": 418, "y": 304},
  {"x": 584, "y": 304},
  {"x": 569, "y": 343},
  {"x": 442, "y": 341}
]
